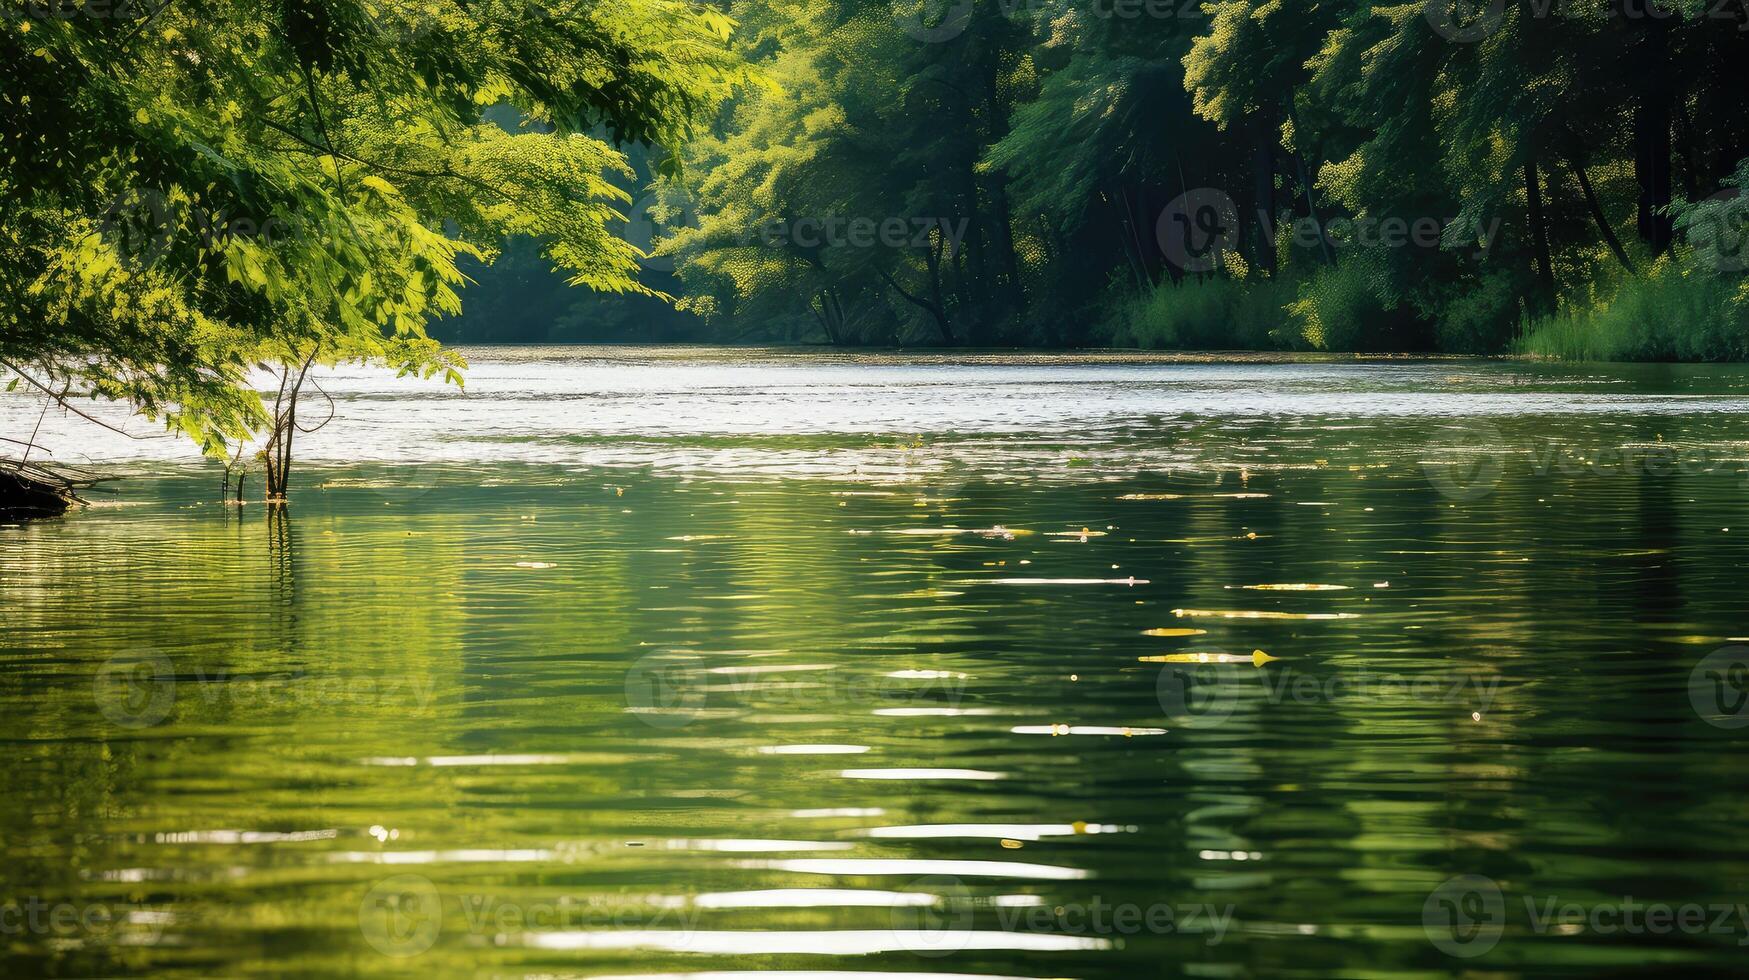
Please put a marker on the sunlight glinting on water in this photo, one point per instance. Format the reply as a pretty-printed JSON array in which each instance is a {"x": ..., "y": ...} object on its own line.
[
  {"x": 901, "y": 866},
  {"x": 560, "y": 673},
  {"x": 847, "y": 942}
]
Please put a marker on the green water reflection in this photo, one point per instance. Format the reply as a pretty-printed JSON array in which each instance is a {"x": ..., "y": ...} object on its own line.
[{"x": 528, "y": 720}]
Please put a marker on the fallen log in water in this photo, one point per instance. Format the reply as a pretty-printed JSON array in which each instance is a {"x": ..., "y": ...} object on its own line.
[{"x": 33, "y": 490}]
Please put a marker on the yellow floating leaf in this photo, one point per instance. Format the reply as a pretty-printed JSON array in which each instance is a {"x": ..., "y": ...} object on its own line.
[
  {"x": 1255, "y": 658},
  {"x": 1258, "y": 614}
]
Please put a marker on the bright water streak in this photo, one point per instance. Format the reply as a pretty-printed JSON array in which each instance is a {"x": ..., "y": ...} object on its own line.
[{"x": 698, "y": 662}]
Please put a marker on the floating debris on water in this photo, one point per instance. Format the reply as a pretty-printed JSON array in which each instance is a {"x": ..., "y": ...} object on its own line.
[
  {"x": 1061, "y": 581},
  {"x": 1125, "y": 731},
  {"x": 1255, "y": 658},
  {"x": 1258, "y": 614}
]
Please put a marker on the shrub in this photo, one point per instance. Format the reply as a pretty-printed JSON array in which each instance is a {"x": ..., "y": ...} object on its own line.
[{"x": 1201, "y": 314}]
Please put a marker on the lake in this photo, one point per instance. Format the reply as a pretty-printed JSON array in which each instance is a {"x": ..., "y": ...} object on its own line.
[{"x": 687, "y": 661}]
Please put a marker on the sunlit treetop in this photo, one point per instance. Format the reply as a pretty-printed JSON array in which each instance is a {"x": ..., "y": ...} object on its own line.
[{"x": 189, "y": 188}]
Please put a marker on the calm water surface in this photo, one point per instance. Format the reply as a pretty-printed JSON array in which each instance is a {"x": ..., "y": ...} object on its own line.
[{"x": 692, "y": 662}]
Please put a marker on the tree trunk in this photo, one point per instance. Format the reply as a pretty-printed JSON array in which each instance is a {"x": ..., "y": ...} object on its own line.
[
  {"x": 277, "y": 456},
  {"x": 1263, "y": 189},
  {"x": 1652, "y": 129},
  {"x": 1597, "y": 215},
  {"x": 1005, "y": 243},
  {"x": 1306, "y": 183},
  {"x": 942, "y": 323},
  {"x": 1539, "y": 237},
  {"x": 824, "y": 316}
]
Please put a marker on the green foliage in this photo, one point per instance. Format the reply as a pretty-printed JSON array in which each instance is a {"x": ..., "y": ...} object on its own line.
[
  {"x": 1675, "y": 312},
  {"x": 1216, "y": 313},
  {"x": 1692, "y": 305},
  {"x": 191, "y": 191},
  {"x": 1341, "y": 308}
]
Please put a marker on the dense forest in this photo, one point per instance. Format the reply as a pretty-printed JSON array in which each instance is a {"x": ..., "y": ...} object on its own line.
[
  {"x": 1241, "y": 174},
  {"x": 193, "y": 192}
]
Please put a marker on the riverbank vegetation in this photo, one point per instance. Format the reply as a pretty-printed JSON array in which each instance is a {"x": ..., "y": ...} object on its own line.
[
  {"x": 1556, "y": 179},
  {"x": 199, "y": 199}
]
